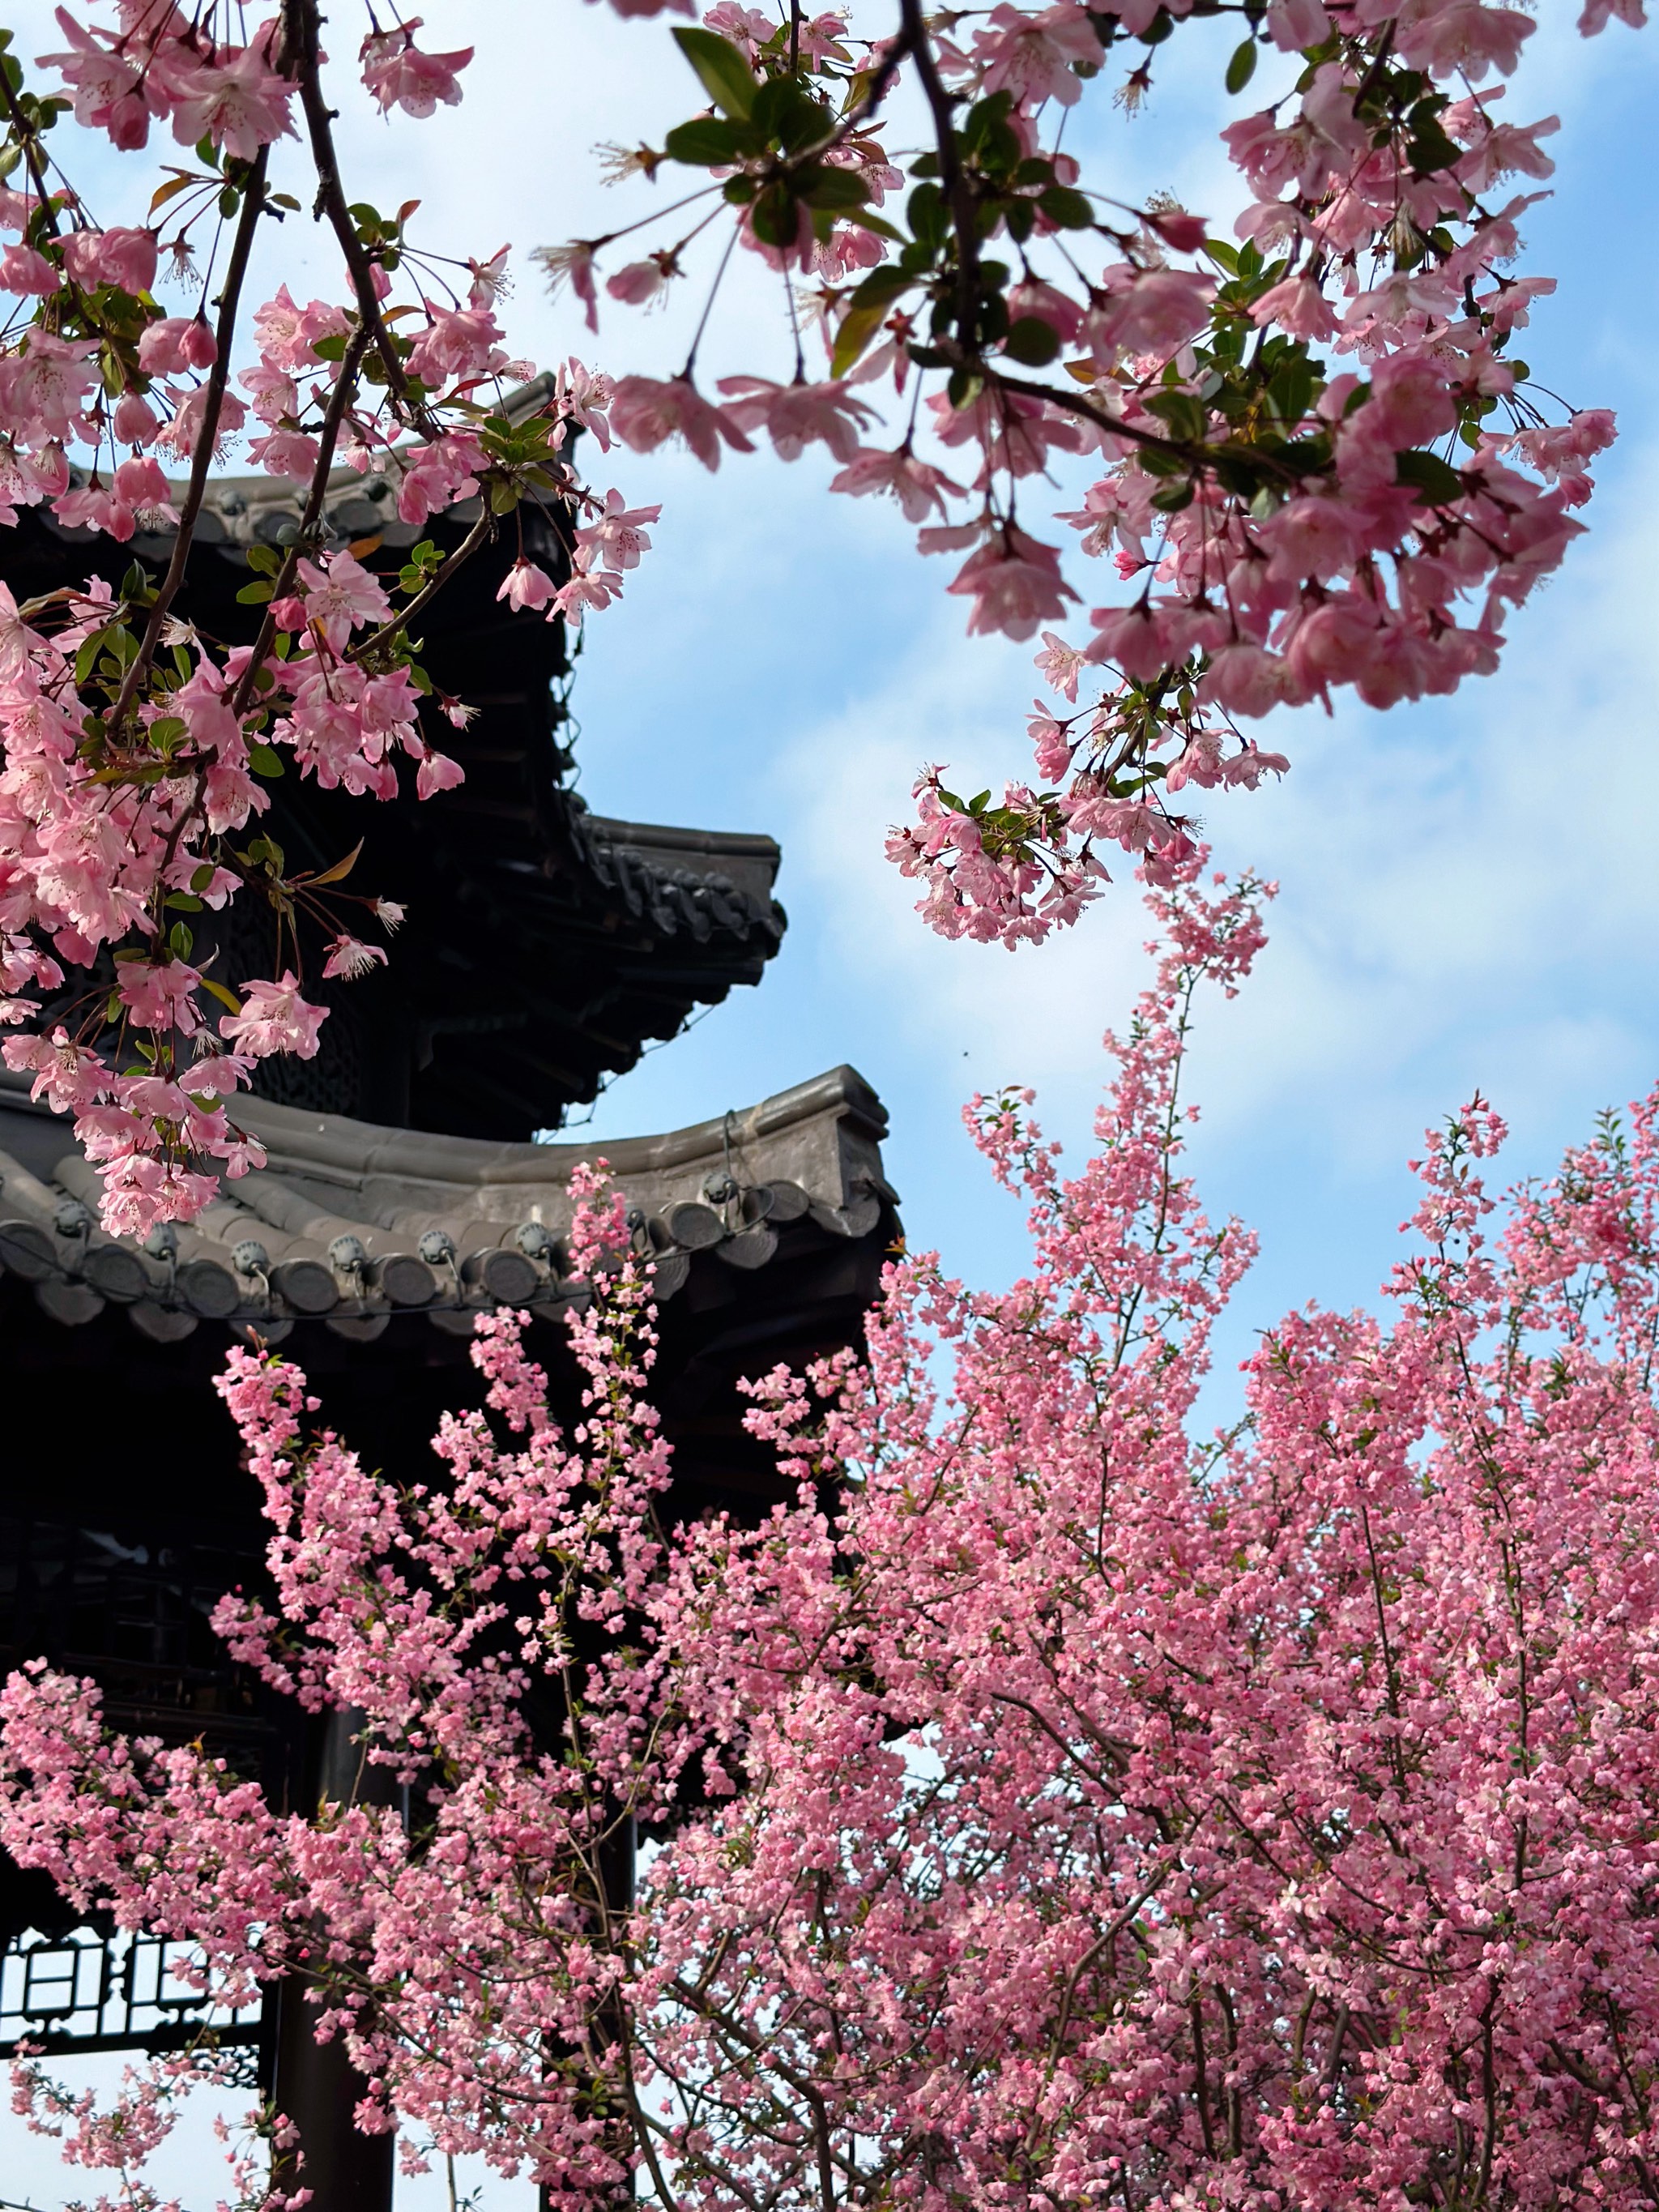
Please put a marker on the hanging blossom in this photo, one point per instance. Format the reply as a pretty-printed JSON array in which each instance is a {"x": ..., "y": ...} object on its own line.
[
  {"x": 1259, "y": 1817},
  {"x": 1308, "y": 454},
  {"x": 135, "y": 755},
  {"x": 1309, "y": 450}
]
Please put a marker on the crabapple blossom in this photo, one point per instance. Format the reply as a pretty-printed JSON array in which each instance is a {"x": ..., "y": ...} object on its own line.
[
  {"x": 1307, "y": 455},
  {"x": 399, "y": 75},
  {"x": 1049, "y": 1801}
]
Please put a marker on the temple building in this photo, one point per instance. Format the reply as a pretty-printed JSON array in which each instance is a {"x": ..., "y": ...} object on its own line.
[{"x": 405, "y": 1192}]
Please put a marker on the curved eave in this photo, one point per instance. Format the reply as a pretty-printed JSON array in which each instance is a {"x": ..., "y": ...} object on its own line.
[{"x": 352, "y": 1224}]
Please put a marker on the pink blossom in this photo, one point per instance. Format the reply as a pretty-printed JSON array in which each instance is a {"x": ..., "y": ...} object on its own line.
[
  {"x": 1032, "y": 55},
  {"x": 291, "y": 453},
  {"x": 439, "y": 473},
  {"x": 460, "y": 341},
  {"x": 436, "y": 772},
  {"x": 644, "y": 414},
  {"x": 136, "y": 422},
  {"x": 917, "y": 485},
  {"x": 108, "y": 89},
  {"x": 274, "y": 1019},
  {"x": 1015, "y": 584},
  {"x": 1297, "y": 306},
  {"x": 348, "y": 958},
  {"x": 23, "y": 270},
  {"x": 399, "y": 75},
  {"x": 1295, "y": 25},
  {"x": 341, "y": 596},
  {"x": 639, "y": 281},
  {"x": 573, "y": 264},
  {"x": 619, "y": 536},
  {"x": 1183, "y": 233},
  {"x": 525, "y": 585},
  {"x": 121, "y": 257},
  {"x": 176, "y": 342},
  {"x": 795, "y": 415},
  {"x": 1152, "y": 311},
  {"x": 238, "y": 101},
  {"x": 1047, "y": 305},
  {"x": 288, "y": 333},
  {"x": 49, "y": 382}
]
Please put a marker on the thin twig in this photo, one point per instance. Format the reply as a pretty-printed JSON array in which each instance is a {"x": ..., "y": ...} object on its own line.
[{"x": 254, "y": 204}]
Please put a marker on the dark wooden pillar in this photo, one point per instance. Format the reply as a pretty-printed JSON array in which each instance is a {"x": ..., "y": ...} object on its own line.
[{"x": 315, "y": 2085}]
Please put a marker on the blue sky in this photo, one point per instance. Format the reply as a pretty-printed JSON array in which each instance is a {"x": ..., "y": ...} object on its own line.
[{"x": 1469, "y": 894}]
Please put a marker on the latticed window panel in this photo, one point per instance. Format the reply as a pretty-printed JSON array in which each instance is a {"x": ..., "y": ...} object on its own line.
[{"x": 86, "y": 1991}]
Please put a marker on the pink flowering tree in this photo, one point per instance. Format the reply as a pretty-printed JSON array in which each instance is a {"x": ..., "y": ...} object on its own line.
[
  {"x": 1307, "y": 449},
  {"x": 1046, "y": 1802}
]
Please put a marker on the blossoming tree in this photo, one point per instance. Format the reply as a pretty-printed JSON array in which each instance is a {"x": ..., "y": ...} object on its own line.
[
  {"x": 1309, "y": 448},
  {"x": 1049, "y": 1805}
]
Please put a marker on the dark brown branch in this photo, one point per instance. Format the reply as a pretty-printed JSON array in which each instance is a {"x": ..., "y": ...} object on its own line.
[
  {"x": 254, "y": 204},
  {"x": 481, "y": 530},
  {"x": 953, "y": 181},
  {"x": 28, "y": 139},
  {"x": 303, "y": 24},
  {"x": 339, "y": 399}
]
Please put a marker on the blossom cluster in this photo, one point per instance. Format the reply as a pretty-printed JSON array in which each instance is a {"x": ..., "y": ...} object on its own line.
[
  {"x": 1048, "y": 1802},
  {"x": 136, "y": 754},
  {"x": 1309, "y": 451}
]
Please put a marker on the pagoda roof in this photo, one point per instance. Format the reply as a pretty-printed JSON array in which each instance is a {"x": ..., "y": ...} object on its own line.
[{"x": 353, "y": 1225}]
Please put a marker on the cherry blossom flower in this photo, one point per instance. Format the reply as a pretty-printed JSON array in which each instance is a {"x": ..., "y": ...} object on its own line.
[
  {"x": 1015, "y": 585},
  {"x": 572, "y": 265},
  {"x": 275, "y": 1018},
  {"x": 917, "y": 485},
  {"x": 399, "y": 75},
  {"x": 341, "y": 596},
  {"x": 525, "y": 585},
  {"x": 348, "y": 958},
  {"x": 644, "y": 414},
  {"x": 619, "y": 536}
]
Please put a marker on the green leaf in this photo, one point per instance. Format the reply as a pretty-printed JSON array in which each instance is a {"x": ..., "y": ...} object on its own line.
[
  {"x": 1436, "y": 480},
  {"x": 835, "y": 189},
  {"x": 87, "y": 659},
  {"x": 1032, "y": 341},
  {"x": 879, "y": 224},
  {"x": 1174, "y": 497},
  {"x": 929, "y": 217},
  {"x": 773, "y": 219},
  {"x": 255, "y": 595},
  {"x": 985, "y": 117},
  {"x": 263, "y": 560},
  {"x": 784, "y": 111},
  {"x": 870, "y": 305},
  {"x": 1185, "y": 414},
  {"x": 183, "y": 901},
  {"x": 264, "y": 760},
  {"x": 225, "y": 997},
  {"x": 723, "y": 74},
  {"x": 705, "y": 143},
  {"x": 1066, "y": 208},
  {"x": 1429, "y": 150},
  {"x": 1242, "y": 68}
]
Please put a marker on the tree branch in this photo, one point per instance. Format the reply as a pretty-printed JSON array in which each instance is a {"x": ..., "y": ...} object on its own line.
[{"x": 254, "y": 202}]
